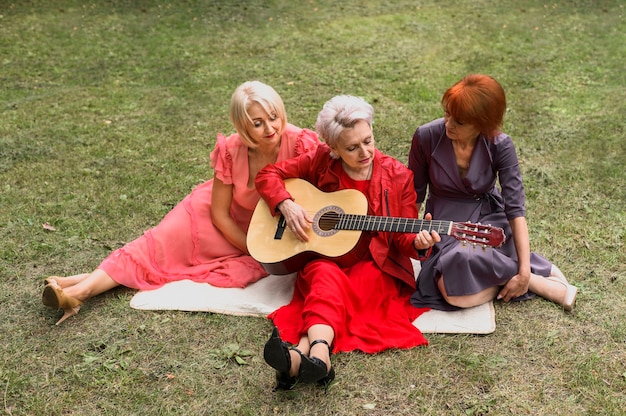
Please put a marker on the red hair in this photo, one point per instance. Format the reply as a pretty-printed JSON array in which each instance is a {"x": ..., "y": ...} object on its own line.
[{"x": 478, "y": 100}]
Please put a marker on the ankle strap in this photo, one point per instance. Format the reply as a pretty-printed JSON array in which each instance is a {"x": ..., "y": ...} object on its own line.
[{"x": 320, "y": 341}]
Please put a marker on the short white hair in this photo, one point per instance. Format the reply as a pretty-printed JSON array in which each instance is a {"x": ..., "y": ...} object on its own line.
[{"x": 339, "y": 113}]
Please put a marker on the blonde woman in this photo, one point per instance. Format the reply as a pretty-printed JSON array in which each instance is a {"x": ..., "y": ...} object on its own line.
[{"x": 204, "y": 237}]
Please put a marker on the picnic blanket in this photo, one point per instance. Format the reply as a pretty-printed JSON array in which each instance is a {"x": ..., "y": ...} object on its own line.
[{"x": 272, "y": 292}]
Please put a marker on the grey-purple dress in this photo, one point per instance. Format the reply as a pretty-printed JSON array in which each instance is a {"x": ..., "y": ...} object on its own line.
[{"x": 475, "y": 198}]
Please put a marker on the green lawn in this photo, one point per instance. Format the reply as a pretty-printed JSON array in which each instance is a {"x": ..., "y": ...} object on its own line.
[{"x": 108, "y": 113}]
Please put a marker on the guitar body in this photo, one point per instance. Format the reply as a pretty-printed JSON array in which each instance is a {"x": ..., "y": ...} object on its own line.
[{"x": 286, "y": 254}]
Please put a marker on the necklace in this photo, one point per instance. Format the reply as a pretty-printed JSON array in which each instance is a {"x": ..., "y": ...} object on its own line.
[
  {"x": 369, "y": 172},
  {"x": 358, "y": 176}
]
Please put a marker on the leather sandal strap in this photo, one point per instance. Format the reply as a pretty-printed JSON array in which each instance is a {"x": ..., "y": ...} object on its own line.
[{"x": 320, "y": 341}]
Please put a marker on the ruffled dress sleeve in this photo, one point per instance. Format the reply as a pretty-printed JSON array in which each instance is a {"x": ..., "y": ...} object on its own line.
[
  {"x": 222, "y": 161},
  {"x": 306, "y": 141}
]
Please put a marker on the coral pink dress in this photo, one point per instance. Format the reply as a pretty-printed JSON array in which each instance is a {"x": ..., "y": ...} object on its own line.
[{"x": 186, "y": 245}]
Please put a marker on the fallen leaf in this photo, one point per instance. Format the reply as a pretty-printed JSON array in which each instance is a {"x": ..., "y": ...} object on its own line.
[{"x": 47, "y": 226}]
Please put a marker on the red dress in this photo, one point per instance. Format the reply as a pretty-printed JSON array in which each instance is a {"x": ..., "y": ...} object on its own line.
[{"x": 368, "y": 309}]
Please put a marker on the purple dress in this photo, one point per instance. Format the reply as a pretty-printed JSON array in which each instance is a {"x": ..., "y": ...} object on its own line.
[{"x": 475, "y": 198}]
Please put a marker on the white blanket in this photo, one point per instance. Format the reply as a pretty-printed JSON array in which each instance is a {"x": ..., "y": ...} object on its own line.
[{"x": 272, "y": 292}]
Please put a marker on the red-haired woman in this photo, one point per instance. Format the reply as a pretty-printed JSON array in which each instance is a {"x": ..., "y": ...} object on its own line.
[{"x": 459, "y": 158}]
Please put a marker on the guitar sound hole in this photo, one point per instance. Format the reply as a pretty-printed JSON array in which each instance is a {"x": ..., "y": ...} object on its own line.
[{"x": 328, "y": 221}]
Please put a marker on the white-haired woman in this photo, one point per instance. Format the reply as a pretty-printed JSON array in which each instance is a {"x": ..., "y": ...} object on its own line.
[
  {"x": 364, "y": 306},
  {"x": 204, "y": 237}
]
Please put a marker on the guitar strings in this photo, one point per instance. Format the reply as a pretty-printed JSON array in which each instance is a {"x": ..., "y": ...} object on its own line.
[
  {"x": 475, "y": 234},
  {"x": 331, "y": 218}
]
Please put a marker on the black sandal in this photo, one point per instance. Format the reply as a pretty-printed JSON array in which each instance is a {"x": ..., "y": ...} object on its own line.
[
  {"x": 276, "y": 354},
  {"x": 314, "y": 370}
]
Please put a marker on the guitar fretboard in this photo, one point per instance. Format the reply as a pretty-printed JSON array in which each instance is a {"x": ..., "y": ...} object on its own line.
[{"x": 391, "y": 224}]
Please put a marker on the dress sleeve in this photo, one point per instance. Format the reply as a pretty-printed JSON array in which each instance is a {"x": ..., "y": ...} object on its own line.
[
  {"x": 418, "y": 163},
  {"x": 221, "y": 161},
  {"x": 307, "y": 140},
  {"x": 510, "y": 178}
]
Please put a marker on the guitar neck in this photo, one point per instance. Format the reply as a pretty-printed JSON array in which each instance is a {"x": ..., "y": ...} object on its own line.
[{"x": 391, "y": 224}]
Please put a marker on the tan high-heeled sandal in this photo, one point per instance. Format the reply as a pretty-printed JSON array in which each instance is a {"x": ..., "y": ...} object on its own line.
[
  {"x": 54, "y": 297},
  {"x": 50, "y": 280},
  {"x": 570, "y": 292}
]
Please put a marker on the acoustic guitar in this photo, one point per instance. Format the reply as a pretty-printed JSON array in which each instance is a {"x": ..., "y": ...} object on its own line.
[{"x": 338, "y": 221}]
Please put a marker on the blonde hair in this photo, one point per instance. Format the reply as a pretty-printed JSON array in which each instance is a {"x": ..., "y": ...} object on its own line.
[{"x": 254, "y": 92}]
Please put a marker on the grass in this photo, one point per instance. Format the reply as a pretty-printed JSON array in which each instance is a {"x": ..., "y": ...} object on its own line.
[{"x": 108, "y": 113}]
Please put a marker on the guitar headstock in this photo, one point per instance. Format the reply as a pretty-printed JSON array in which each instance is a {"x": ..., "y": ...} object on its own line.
[{"x": 478, "y": 234}]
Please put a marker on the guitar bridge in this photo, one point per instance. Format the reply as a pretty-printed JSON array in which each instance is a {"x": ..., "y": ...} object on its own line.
[{"x": 280, "y": 228}]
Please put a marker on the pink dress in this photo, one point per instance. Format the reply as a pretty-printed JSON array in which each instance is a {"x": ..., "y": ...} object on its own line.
[{"x": 186, "y": 245}]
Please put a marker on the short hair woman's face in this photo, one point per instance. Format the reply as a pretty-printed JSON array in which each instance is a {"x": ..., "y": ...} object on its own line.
[
  {"x": 265, "y": 128},
  {"x": 458, "y": 130},
  {"x": 355, "y": 146}
]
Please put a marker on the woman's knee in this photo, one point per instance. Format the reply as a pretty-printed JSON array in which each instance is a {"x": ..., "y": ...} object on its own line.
[{"x": 467, "y": 301}]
